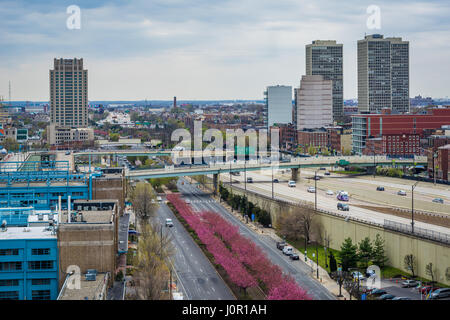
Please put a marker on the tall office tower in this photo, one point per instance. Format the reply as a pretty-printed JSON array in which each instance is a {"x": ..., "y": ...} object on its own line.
[
  {"x": 314, "y": 103},
  {"x": 383, "y": 74},
  {"x": 68, "y": 94},
  {"x": 278, "y": 105},
  {"x": 325, "y": 58}
]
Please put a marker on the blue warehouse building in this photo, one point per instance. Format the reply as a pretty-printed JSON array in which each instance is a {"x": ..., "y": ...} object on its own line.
[
  {"x": 28, "y": 255},
  {"x": 40, "y": 183}
]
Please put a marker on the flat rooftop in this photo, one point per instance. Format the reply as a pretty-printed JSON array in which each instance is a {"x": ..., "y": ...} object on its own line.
[
  {"x": 91, "y": 216},
  {"x": 89, "y": 290},
  {"x": 36, "y": 229}
]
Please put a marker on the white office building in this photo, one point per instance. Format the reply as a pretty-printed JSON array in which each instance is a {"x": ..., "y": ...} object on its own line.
[{"x": 314, "y": 103}]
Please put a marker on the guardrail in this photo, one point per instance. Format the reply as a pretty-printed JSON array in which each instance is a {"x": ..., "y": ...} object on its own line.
[{"x": 420, "y": 232}]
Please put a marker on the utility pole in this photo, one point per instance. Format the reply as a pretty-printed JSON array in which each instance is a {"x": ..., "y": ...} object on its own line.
[
  {"x": 245, "y": 175},
  {"x": 272, "y": 180},
  {"x": 412, "y": 205},
  {"x": 315, "y": 191}
]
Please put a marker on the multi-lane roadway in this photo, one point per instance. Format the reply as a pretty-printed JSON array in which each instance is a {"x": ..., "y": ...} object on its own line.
[
  {"x": 299, "y": 270},
  {"x": 262, "y": 184}
]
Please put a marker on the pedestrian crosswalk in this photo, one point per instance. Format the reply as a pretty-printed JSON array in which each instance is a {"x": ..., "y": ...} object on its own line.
[{"x": 203, "y": 201}]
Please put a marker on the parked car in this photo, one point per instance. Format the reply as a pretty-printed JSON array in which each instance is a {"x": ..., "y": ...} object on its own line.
[
  {"x": 249, "y": 180},
  {"x": 275, "y": 180},
  {"x": 438, "y": 200},
  {"x": 401, "y": 193},
  {"x": 187, "y": 201},
  {"x": 281, "y": 245},
  {"x": 294, "y": 256},
  {"x": 440, "y": 293},
  {"x": 401, "y": 298},
  {"x": 288, "y": 250},
  {"x": 409, "y": 284},
  {"x": 343, "y": 206},
  {"x": 311, "y": 190},
  {"x": 169, "y": 222},
  {"x": 159, "y": 199},
  {"x": 316, "y": 178},
  {"x": 380, "y": 188},
  {"x": 378, "y": 292},
  {"x": 291, "y": 184},
  {"x": 386, "y": 296},
  {"x": 330, "y": 193}
]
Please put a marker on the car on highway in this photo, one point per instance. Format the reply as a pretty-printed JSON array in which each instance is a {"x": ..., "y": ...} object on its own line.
[
  {"x": 380, "y": 188},
  {"x": 187, "y": 201},
  {"x": 378, "y": 292},
  {"x": 291, "y": 184},
  {"x": 342, "y": 196},
  {"x": 401, "y": 298},
  {"x": 311, "y": 190},
  {"x": 330, "y": 193},
  {"x": 401, "y": 193},
  {"x": 249, "y": 180},
  {"x": 343, "y": 206},
  {"x": 275, "y": 180},
  {"x": 281, "y": 245},
  {"x": 288, "y": 250},
  {"x": 316, "y": 178},
  {"x": 294, "y": 256},
  {"x": 386, "y": 296},
  {"x": 169, "y": 222},
  {"x": 327, "y": 173},
  {"x": 159, "y": 199},
  {"x": 440, "y": 293},
  {"x": 323, "y": 169},
  {"x": 438, "y": 200},
  {"x": 409, "y": 284}
]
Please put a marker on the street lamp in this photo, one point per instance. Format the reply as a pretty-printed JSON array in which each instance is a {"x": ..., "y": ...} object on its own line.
[
  {"x": 315, "y": 190},
  {"x": 272, "y": 180},
  {"x": 412, "y": 205}
]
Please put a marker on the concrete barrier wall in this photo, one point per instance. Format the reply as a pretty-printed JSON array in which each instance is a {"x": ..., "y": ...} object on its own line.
[{"x": 397, "y": 245}]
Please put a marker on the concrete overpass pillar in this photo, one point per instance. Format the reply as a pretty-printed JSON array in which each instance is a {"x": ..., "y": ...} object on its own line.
[
  {"x": 216, "y": 183},
  {"x": 295, "y": 174}
]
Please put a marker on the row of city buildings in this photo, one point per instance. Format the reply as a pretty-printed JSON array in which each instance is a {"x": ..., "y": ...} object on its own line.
[{"x": 60, "y": 231}]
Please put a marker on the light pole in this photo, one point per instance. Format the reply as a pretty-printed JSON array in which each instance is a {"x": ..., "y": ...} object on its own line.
[
  {"x": 272, "y": 181},
  {"x": 315, "y": 190},
  {"x": 412, "y": 205}
]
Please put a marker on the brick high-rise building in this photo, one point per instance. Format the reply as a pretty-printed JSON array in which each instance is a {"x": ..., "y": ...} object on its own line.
[{"x": 68, "y": 93}]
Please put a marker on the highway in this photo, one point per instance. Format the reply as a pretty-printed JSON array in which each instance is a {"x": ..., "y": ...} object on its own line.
[
  {"x": 197, "y": 277},
  {"x": 297, "y": 269},
  {"x": 262, "y": 184}
]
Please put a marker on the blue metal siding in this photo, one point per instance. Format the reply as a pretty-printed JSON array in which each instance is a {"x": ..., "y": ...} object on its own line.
[{"x": 25, "y": 275}]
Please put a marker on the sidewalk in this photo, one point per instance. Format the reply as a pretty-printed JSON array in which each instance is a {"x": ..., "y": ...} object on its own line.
[{"x": 324, "y": 278}]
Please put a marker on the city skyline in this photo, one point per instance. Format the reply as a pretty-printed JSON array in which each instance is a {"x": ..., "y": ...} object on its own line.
[{"x": 200, "y": 50}]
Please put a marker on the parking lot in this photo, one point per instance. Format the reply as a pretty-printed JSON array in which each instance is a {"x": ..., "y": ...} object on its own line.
[{"x": 394, "y": 288}]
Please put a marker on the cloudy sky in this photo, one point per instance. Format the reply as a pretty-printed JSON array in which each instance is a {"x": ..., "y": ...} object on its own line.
[{"x": 208, "y": 49}]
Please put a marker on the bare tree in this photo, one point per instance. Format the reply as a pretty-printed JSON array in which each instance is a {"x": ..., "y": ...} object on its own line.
[
  {"x": 151, "y": 278},
  {"x": 430, "y": 271},
  {"x": 410, "y": 263},
  {"x": 298, "y": 223},
  {"x": 143, "y": 201}
]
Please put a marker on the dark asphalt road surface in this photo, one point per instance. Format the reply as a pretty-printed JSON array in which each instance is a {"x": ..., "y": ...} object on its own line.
[{"x": 197, "y": 277}]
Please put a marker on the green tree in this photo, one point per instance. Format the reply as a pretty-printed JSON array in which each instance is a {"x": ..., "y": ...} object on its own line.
[
  {"x": 365, "y": 252},
  {"x": 264, "y": 218},
  {"x": 114, "y": 137},
  {"x": 379, "y": 255},
  {"x": 348, "y": 254}
]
